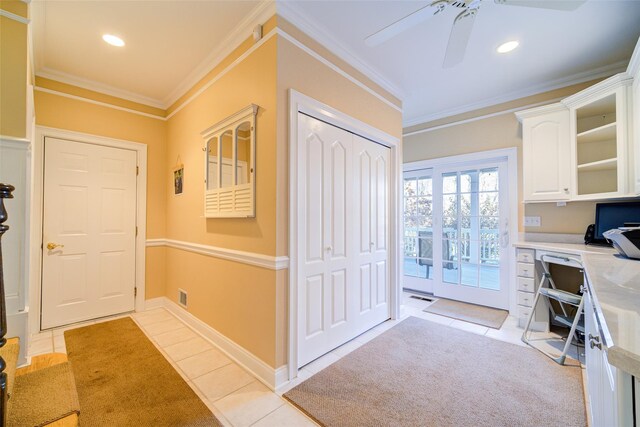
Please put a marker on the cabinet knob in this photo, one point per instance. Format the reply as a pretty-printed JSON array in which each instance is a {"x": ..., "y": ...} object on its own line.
[
  {"x": 593, "y": 344},
  {"x": 596, "y": 338},
  {"x": 566, "y": 190}
]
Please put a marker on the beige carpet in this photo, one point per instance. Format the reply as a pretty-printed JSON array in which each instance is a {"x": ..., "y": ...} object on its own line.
[
  {"x": 42, "y": 397},
  {"x": 123, "y": 380},
  {"x": 478, "y": 314},
  {"x": 420, "y": 373}
]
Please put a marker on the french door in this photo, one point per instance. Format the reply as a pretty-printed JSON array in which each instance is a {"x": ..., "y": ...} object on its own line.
[
  {"x": 418, "y": 231},
  {"x": 456, "y": 229}
]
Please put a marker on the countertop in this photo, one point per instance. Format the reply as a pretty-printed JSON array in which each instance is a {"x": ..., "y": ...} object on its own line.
[{"x": 614, "y": 282}]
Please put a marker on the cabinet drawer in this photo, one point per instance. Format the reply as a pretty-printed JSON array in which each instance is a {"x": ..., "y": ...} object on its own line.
[
  {"x": 525, "y": 299},
  {"x": 526, "y": 255},
  {"x": 525, "y": 284},
  {"x": 523, "y": 315},
  {"x": 525, "y": 270}
]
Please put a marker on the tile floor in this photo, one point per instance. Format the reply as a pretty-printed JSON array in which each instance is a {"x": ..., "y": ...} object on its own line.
[{"x": 232, "y": 394}]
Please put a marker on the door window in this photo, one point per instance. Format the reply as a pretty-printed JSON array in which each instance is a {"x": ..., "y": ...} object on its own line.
[{"x": 418, "y": 225}]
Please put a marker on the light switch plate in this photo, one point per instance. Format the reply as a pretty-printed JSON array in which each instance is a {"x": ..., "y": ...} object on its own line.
[{"x": 532, "y": 221}]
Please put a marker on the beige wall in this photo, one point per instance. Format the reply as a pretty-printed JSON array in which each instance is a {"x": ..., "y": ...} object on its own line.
[
  {"x": 236, "y": 299},
  {"x": 75, "y": 115},
  {"x": 500, "y": 131},
  {"x": 247, "y": 304},
  {"x": 13, "y": 71},
  {"x": 300, "y": 71}
]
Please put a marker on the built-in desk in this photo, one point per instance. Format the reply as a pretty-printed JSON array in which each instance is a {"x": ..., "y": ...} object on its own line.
[{"x": 612, "y": 326}]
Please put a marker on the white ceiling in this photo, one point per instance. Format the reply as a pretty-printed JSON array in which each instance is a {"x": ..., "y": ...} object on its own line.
[
  {"x": 556, "y": 48},
  {"x": 171, "y": 43},
  {"x": 167, "y": 43}
]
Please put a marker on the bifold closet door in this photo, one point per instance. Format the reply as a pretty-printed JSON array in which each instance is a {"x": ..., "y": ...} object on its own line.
[
  {"x": 343, "y": 199},
  {"x": 371, "y": 172},
  {"x": 326, "y": 193}
]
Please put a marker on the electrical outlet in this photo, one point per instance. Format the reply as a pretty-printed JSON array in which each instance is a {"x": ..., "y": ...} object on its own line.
[{"x": 532, "y": 221}]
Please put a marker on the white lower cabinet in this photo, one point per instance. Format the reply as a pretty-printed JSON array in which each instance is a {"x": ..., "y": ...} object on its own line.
[{"x": 609, "y": 389}]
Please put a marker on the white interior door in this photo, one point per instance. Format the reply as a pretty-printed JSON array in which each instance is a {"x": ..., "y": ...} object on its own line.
[
  {"x": 343, "y": 277},
  {"x": 471, "y": 234},
  {"x": 371, "y": 172},
  {"x": 89, "y": 221}
]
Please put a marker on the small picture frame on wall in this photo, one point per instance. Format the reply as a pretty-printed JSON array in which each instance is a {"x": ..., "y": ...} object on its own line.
[{"x": 178, "y": 179}]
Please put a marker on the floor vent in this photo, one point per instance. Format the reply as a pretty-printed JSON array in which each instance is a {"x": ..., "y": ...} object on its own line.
[
  {"x": 182, "y": 297},
  {"x": 421, "y": 298}
]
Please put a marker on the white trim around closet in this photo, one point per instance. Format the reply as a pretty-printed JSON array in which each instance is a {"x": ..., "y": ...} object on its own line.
[{"x": 300, "y": 103}]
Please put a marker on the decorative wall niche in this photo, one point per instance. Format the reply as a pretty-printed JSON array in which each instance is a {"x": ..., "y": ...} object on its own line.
[{"x": 230, "y": 166}]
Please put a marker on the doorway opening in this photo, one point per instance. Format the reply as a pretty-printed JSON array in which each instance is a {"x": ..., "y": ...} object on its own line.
[{"x": 458, "y": 216}]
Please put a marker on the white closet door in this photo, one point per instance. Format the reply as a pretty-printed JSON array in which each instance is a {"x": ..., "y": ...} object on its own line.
[
  {"x": 324, "y": 246},
  {"x": 89, "y": 223},
  {"x": 371, "y": 171},
  {"x": 343, "y": 236}
]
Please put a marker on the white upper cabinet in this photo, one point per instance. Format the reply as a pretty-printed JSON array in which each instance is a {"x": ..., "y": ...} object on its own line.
[
  {"x": 599, "y": 139},
  {"x": 546, "y": 153},
  {"x": 579, "y": 148},
  {"x": 634, "y": 72}
]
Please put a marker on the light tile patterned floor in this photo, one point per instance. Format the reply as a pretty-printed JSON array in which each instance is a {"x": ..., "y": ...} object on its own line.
[{"x": 236, "y": 397}]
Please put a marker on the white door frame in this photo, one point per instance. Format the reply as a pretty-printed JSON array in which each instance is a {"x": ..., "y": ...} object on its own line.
[
  {"x": 37, "y": 191},
  {"x": 304, "y": 104},
  {"x": 511, "y": 154}
]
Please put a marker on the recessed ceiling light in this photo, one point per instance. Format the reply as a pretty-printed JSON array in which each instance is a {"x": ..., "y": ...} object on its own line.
[
  {"x": 508, "y": 46},
  {"x": 113, "y": 40}
]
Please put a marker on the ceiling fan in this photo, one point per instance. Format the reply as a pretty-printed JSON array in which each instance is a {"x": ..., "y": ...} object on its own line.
[{"x": 462, "y": 24}]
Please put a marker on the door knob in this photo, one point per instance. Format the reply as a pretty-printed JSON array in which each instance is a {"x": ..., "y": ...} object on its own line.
[{"x": 52, "y": 246}]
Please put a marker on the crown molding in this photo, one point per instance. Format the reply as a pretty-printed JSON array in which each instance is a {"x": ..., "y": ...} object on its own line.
[
  {"x": 634, "y": 63},
  {"x": 482, "y": 117},
  {"x": 597, "y": 90},
  {"x": 545, "y": 109},
  {"x": 258, "y": 16},
  {"x": 335, "y": 68},
  {"x": 102, "y": 88},
  {"x": 322, "y": 36},
  {"x": 14, "y": 17},
  {"x": 93, "y": 101},
  {"x": 582, "y": 77}
]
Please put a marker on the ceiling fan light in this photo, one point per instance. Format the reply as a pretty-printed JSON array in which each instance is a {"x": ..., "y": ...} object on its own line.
[
  {"x": 508, "y": 46},
  {"x": 113, "y": 40}
]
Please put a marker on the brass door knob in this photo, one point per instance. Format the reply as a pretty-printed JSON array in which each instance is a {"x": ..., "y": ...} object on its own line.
[{"x": 52, "y": 246}]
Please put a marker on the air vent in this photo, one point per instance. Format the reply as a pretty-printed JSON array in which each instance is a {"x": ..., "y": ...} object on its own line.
[
  {"x": 421, "y": 298},
  {"x": 182, "y": 297}
]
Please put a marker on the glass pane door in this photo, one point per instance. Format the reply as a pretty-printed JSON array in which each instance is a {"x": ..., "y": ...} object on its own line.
[
  {"x": 418, "y": 231},
  {"x": 472, "y": 203}
]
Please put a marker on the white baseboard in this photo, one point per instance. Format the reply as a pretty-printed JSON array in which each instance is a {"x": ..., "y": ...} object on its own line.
[
  {"x": 154, "y": 303},
  {"x": 282, "y": 378},
  {"x": 17, "y": 327},
  {"x": 272, "y": 378}
]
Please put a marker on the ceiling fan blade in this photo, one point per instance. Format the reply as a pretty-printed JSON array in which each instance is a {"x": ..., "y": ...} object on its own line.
[
  {"x": 545, "y": 4},
  {"x": 405, "y": 23},
  {"x": 459, "y": 37}
]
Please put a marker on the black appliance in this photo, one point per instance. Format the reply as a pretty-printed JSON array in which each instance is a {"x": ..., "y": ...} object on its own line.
[{"x": 612, "y": 216}]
